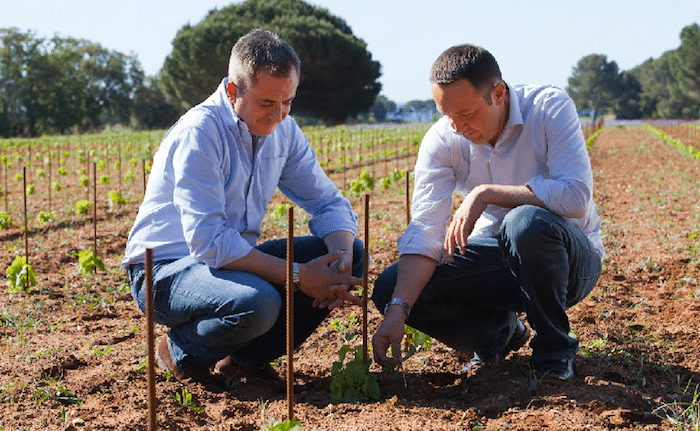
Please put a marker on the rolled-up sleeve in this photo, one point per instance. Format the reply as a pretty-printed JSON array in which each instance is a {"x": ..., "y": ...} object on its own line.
[{"x": 432, "y": 200}]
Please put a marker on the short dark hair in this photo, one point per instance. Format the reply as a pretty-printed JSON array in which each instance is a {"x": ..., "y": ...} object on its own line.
[
  {"x": 261, "y": 50},
  {"x": 470, "y": 62}
]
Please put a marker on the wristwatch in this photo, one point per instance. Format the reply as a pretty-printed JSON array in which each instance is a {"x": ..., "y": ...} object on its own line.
[
  {"x": 401, "y": 303},
  {"x": 295, "y": 277}
]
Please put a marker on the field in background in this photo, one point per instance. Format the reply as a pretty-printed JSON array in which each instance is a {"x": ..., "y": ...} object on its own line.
[{"x": 72, "y": 347}]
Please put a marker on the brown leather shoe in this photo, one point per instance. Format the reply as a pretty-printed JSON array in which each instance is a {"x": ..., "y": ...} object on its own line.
[
  {"x": 186, "y": 374},
  {"x": 229, "y": 367}
]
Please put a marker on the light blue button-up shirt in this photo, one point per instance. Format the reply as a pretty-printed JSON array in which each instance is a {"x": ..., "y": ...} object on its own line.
[
  {"x": 208, "y": 190},
  {"x": 542, "y": 145}
]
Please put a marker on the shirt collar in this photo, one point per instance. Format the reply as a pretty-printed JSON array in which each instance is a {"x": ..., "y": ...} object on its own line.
[
  {"x": 515, "y": 117},
  {"x": 233, "y": 121}
]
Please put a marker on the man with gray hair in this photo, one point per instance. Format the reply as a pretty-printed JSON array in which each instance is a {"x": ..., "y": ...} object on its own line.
[
  {"x": 526, "y": 237},
  {"x": 219, "y": 292}
]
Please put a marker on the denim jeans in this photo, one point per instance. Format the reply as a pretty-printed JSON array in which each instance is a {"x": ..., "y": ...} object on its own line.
[
  {"x": 213, "y": 313},
  {"x": 540, "y": 264}
]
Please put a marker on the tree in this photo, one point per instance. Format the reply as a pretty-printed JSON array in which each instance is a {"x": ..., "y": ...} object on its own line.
[
  {"x": 111, "y": 80},
  {"x": 338, "y": 77},
  {"x": 152, "y": 109},
  {"x": 655, "y": 77},
  {"x": 685, "y": 68},
  {"x": 17, "y": 51},
  {"x": 628, "y": 104},
  {"x": 594, "y": 83},
  {"x": 49, "y": 86},
  {"x": 419, "y": 110}
]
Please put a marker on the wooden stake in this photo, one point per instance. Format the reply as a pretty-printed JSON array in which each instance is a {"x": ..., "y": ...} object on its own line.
[
  {"x": 150, "y": 337},
  {"x": 143, "y": 166},
  {"x": 49, "y": 167},
  {"x": 365, "y": 258},
  {"x": 290, "y": 313},
  {"x": 408, "y": 198},
  {"x": 7, "y": 191},
  {"x": 94, "y": 212},
  {"x": 26, "y": 227}
]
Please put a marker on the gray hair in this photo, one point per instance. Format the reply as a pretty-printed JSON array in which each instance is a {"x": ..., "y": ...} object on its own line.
[{"x": 260, "y": 50}]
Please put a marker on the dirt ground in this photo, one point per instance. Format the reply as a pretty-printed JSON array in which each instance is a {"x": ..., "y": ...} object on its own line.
[{"x": 72, "y": 351}]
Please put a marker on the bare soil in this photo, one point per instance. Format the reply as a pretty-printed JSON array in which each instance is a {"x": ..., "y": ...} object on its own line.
[{"x": 72, "y": 349}]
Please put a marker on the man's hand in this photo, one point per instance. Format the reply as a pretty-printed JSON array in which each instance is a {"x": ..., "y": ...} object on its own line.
[
  {"x": 389, "y": 334},
  {"x": 323, "y": 280},
  {"x": 463, "y": 222}
]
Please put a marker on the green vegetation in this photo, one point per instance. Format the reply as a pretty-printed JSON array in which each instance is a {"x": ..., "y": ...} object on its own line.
[
  {"x": 352, "y": 382},
  {"x": 88, "y": 262},
  {"x": 20, "y": 275},
  {"x": 334, "y": 61},
  {"x": 185, "y": 399},
  {"x": 83, "y": 206},
  {"x": 5, "y": 220},
  {"x": 667, "y": 87},
  {"x": 286, "y": 425}
]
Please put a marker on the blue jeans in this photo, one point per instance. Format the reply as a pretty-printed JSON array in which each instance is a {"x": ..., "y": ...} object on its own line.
[
  {"x": 213, "y": 313},
  {"x": 540, "y": 264}
]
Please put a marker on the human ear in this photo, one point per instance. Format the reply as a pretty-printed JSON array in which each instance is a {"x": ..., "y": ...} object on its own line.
[
  {"x": 499, "y": 92},
  {"x": 231, "y": 90}
]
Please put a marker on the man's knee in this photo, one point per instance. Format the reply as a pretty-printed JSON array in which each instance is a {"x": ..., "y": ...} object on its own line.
[
  {"x": 525, "y": 225},
  {"x": 257, "y": 313}
]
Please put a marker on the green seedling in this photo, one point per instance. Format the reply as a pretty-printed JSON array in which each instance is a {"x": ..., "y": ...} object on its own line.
[
  {"x": 61, "y": 394},
  {"x": 82, "y": 207},
  {"x": 352, "y": 382},
  {"x": 45, "y": 216},
  {"x": 286, "y": 425},
  {"x": 184, "y": 398},
  {"x": 20, "y": 275},
  {"x": 101, "y": 352},
  {"x": 346, "y": 328},
  {"x": 416, "y": 339},
  {"x": 5, "y": 220},
  {"x": 364, "y": 183},
  {"x": 116, "y": 198},
  {"x": 87, "y": 261}
]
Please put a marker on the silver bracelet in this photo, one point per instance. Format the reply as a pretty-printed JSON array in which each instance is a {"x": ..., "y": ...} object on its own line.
[{"x": 400, "y": 302}]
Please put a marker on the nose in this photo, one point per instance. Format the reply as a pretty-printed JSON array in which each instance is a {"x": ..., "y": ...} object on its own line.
[
  {"x": 279, "y": 113},
  {"x": 460, "y": 127}
]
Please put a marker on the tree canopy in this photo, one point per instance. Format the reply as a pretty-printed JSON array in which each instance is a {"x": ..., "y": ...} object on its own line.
[
  {"x": 54, "y": 85},
  {"x": 338, "y": 75},
  {"x": 594, "y": 83},
  {"x": 667, "y": 87}
]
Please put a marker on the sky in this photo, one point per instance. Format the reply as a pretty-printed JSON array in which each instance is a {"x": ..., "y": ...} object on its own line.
[{"x": 536, "y": 41}]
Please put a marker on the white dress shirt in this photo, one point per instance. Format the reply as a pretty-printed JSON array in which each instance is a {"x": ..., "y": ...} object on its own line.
[{"x": 542, "y": 145}]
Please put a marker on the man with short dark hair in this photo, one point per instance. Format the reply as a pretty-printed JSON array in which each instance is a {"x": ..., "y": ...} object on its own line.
[
  {"x": 211, "y": 182},
  {"x": 526, "y": 236}
]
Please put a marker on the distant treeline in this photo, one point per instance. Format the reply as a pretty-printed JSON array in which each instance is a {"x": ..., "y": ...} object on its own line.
[{"x": 667, "y": 87}]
